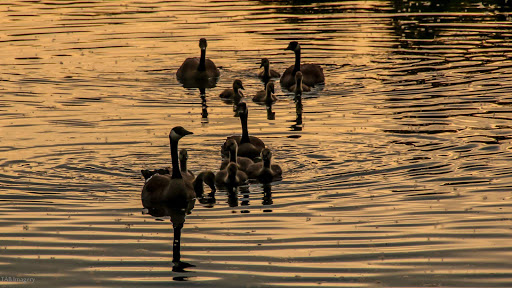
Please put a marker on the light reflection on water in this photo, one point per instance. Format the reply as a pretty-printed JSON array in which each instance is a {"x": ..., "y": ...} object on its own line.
[{"x": 398, "y": 175}]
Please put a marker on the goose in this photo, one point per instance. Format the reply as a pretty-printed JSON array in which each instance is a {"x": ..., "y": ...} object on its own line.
[
  {"x": 299, "y": 88},
  {"x": 207, "y": 177},
  {"x": 266, "y": 97},
  {"x": 267, "y": 73},
  {"x": 242, "y": 162},
  {"x": 233, "y": 93},
  {"x": 265, "y": 171},
  {"x": 313, "y": 73},
  {"x": 230, "y": 177},
  {"x": 198, "y": 68},
  {"x": 248, "y": 146},
  {"x": 165, "y": 195}
]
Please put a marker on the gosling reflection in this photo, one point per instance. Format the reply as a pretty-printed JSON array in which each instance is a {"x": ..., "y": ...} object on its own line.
[
  {"x": 204, "y": 106},
  {"x": 267, "y": 195},
  {"x": 298, "y": 89},
  {"x": 298, "y": 114}
]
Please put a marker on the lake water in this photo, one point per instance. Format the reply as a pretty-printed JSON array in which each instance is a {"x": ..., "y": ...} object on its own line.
[{"x": 399, "y": 175}]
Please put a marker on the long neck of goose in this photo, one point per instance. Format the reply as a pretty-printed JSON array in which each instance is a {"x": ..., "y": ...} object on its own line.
[
  {"x": 266, "y": 163},
  {"x": 232, "y": 155},
  {"x": 176, "y": 174},
  {"x": 245, "y": 131},
  {"x": 266, "y": 71},
  {"x": 198, "y": 185},
  {"x": 183, "y": 165},
  {"x": 202, "y": 61},
  {"x": 297, "y": 62}
]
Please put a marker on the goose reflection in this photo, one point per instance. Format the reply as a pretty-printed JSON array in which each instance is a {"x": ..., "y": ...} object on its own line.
[
  {"x": 298, "y": 114},
  {"x": 267, "y": 196}
]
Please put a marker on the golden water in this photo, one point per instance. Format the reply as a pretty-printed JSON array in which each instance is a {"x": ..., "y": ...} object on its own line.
[{"x": 399, "y": 176}]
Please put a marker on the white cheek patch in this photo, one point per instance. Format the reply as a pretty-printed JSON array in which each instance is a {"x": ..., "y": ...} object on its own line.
[{"x": 175, "y": 136}]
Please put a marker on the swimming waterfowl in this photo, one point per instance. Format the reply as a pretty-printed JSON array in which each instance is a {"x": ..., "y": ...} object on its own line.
[
  {"x": 198, "y": 68},
  {"x": 242, "y": 162},
  {"x": 185, "y": 173},
  {"x": 248, "y": 146},
  {"x": 165, "y": 195},
  {"x": 206, "y": 177},
  {"x": 267, "y": 73},
  {"x": 230, "y": 177},
  {"x": 299, "y": 88},
  {"x": 233, "y": 93},
  {"x": 312, "y": 73},
  {"x": 266, "y": 97},
  {"x": 265, "y": 171}
]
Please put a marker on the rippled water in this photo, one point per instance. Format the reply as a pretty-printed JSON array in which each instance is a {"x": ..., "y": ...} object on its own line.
[{"x": 400, "y": 174}]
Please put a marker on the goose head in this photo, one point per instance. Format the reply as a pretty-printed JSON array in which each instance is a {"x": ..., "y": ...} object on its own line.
[
  {"x": 231, "y": 145},
  {"x": 264, "y": 63},
  {"x": 183, "y": 155},
  {"x": 203, "y": 44},
  {"x": 298, "y": 77},
  {"x": 178, "y": 132},
  {"x": 294, "y": 46},
  {"x": 266, "y": 154},
  {"x": 209, "y": 179},
  {"x": 237, "y": 84}
]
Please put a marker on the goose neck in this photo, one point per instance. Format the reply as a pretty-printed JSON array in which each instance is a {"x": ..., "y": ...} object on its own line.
[
  {"x": 176, "y": 174},
  {"x": 297, "y": 62},
  {"x": 202, "y": 61}
]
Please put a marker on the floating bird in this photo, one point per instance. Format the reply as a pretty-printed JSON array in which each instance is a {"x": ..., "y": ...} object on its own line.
[
  {"x": 313, "y": 73},
  {"x": 173, "y": 196},
  {"x": 265, "y": 171},
  {"x": 267, "y": 73},
  {"x": 266, "y": 97},
  {"x": 198, "y": 71},
  {"x": 242, "y": 162}
]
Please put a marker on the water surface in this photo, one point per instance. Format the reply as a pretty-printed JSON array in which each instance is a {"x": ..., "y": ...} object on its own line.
[{"x": 399, "y": 175}]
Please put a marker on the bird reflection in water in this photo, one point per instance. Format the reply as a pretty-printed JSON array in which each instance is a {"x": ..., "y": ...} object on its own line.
[{"x": 204, "y": 106}]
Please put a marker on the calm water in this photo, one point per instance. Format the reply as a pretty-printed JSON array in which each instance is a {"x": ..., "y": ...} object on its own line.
[{"x": 400, "y": 175}]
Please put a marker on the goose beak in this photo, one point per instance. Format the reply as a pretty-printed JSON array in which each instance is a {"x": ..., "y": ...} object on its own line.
[
  {"x": 188, "y": 132},
  {"x": 261, "y": 65}
]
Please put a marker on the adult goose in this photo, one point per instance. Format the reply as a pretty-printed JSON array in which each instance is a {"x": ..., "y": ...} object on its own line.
[
  {"x": 313, "y": 73},
  {"x": 165, "y": 195},
  {"x": 248, "y": 146},
  {"x": 198, "y": 70},
  {"x": 265, "y": 171}
]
